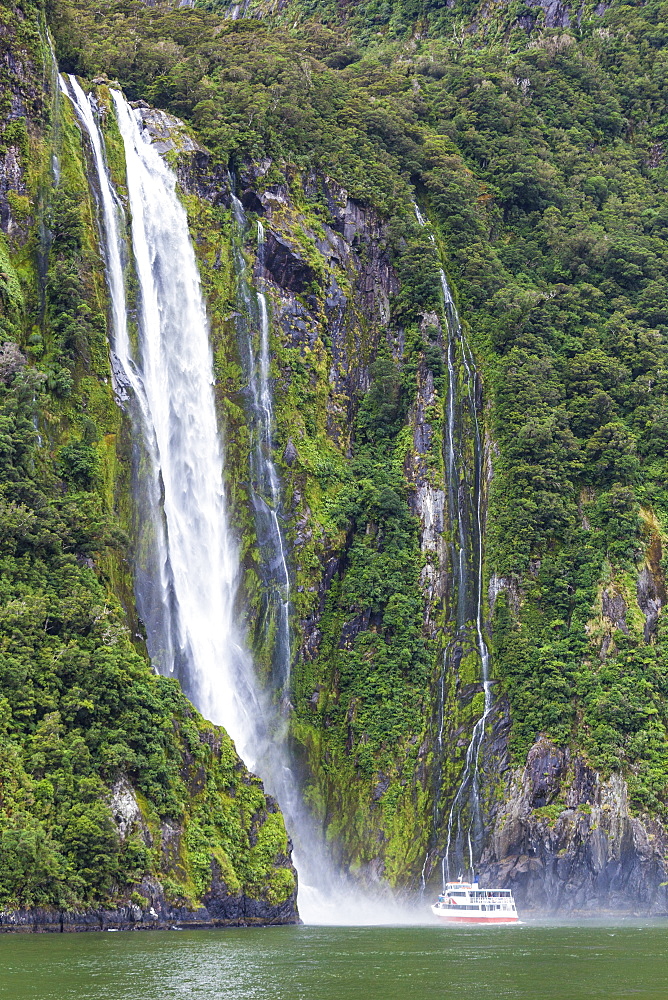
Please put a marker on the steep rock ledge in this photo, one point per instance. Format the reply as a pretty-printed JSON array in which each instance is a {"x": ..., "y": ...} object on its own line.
[{"x": 565, "y": 840}]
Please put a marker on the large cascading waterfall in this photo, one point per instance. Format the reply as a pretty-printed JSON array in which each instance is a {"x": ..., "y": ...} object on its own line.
[
  {"x": 464, "y": 833},
  {"x": 252, "y": 322},
  {"x": 186, "y": 563},
  {"x": 196, "y": 548}
]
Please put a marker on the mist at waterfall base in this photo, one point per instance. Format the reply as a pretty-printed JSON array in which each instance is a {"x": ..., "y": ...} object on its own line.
[{"x": 185, "y": 558}]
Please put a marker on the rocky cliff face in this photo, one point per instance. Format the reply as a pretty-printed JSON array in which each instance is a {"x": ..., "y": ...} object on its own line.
[
  {"x": 565, "y": 840},
  {"x": 566, "y": 836},
  {"x": 561, "y": 835}
]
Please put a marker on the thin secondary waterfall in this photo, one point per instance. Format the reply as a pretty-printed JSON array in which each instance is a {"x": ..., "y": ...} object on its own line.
[
  {"x": 468, "y": 793},
  {"x": 252, "y": 323},
  {"x": 464, "y": 826},
  {"x": 281, "y": 576}
]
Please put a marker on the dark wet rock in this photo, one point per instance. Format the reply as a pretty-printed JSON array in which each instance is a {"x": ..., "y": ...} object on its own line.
[
  {"x": 381, "y": 787},
  {"x": 311, "y": 638},
  {"x": 314, "y": 700},
  {"x": 240, "y": 910},
  {"x": 11, "y": 180},
  {"x": 170, "y": 844},
  {"x": 557, "y": 14},
  {"x": 351, "y": 629},
  {"x": 148, "y": 909},
  {"x": 614, "y": 608},
  {"x": 651, "y": 598},
  {"x": 656, "y": 155},
  {"x": 290, "y": 453},
  {"x": 221, "y": 910},
  {"x": 565, "y": 840},
  {"x": 286, "y": 266},
  {"x": 252, "y": 203},
  {"x": 544, "y": 769}
]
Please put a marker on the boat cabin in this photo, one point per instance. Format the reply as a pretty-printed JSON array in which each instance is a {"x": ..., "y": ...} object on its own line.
[{"x": 468, "y": 896}]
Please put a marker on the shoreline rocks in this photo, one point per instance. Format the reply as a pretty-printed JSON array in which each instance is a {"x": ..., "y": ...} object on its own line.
[{"x": 238, "y": 911}]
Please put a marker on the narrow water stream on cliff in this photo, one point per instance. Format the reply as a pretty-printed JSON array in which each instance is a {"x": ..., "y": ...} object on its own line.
[
  {"x": 465, "y": 834},
  {"x": 464, "y": 470},
  {"x": 252, "y": 323}
]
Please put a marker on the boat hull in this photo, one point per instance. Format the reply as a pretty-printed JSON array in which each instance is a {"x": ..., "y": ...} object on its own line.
[
  {"x": 451, "y": 916},
  {"x": 475, "y": 919}
]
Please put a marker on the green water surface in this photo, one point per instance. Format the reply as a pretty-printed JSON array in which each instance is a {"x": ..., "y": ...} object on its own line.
[{"x": 532, "y": 962}]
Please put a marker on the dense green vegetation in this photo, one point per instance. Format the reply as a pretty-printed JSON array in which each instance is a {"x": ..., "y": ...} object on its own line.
[
  {"x": 81, "y": 712},
  {"x": 372, "y": 673},
  {"x": 539, "y": 158}
]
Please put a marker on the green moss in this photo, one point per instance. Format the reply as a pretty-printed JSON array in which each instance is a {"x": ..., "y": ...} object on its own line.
[{"x": 551, "y": 813}]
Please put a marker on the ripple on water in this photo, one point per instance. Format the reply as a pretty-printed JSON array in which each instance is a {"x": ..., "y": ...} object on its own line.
[{"x": 554, "y": 962}]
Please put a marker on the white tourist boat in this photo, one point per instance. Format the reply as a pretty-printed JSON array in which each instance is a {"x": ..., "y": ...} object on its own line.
[{"x": 466, "y": 903}]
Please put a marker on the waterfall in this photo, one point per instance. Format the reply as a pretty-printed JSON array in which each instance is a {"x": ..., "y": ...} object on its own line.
[
  {"x": 464, "y": 834},
  {"x": 166, "y": 383},
  {"x": 252, "y": 322},
  {"x": 185, "y": 560},
  {"x": 152, "y": 569}
]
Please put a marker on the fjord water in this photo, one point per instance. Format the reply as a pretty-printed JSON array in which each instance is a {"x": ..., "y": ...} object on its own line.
[{"x": 567, "y": 962}]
